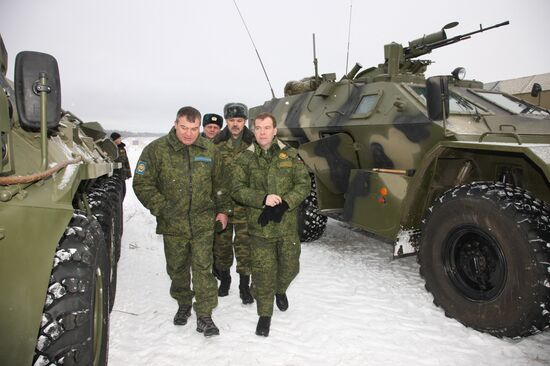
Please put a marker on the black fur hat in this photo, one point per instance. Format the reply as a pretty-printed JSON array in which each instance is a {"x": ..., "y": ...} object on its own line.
[
  {"x": 115, "y": 135},
  {"x": 212, "y": 118}
]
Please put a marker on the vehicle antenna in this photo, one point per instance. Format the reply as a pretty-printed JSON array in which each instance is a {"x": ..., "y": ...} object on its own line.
[
  {"x": 255, "y": 49},
  {"x": 315, "y": 61},
  {"x": 349, "y": 33}
]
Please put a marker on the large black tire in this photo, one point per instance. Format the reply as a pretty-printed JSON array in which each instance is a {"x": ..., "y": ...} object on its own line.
[
  {"x": 116, "y": 186},
  {"x": 485, "y": 258},
  {"x": 75, "y": 323},
  {"x": 104, "y": 207},
  {"x": 112, "y": 188},
  {"x": 311, "y": 223}
]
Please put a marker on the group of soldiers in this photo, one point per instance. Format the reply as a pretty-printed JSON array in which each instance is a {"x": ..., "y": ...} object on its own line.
[{"x": 225, "y": 191}]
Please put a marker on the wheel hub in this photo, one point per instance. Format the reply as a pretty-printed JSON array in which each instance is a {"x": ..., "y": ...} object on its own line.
[{"x": 475, "y": 263}]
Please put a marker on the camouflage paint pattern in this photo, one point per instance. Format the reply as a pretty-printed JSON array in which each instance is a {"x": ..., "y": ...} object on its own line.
[
  {"x": 348, "y": 129},
  {"x": 182, "y": 187}
]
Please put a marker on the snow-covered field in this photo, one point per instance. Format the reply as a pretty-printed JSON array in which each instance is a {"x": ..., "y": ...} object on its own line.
[{"x": 350, "y": 305}]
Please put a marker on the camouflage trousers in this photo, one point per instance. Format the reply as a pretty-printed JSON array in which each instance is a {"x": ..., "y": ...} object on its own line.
[
  {"x": 224, "y": 244},
  {"x": 275, "y": 263},
  {"x": 186, "y": 255}
]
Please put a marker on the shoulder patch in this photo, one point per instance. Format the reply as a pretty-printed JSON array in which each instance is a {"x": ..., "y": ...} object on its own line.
[
  {"x": 141, "y": 167},
  {"x": 205, "y": 159}
]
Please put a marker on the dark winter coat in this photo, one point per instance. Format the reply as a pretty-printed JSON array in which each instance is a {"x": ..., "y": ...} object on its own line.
[{"x": 125, "y": 171}]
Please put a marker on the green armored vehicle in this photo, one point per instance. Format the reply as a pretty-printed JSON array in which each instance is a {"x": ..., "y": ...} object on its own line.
[
  {"x": 441, "y": 167},
  {"x": 60, "y": 222}
]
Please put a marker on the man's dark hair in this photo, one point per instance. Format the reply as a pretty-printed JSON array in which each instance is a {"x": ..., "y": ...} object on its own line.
[
  {"x": 190, "y": 113},
  {"x": 265, "y": 115}
]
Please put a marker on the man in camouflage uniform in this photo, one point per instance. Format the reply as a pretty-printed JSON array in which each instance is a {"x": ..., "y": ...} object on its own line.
[
  {"x": 233, "y": 139},
  {"x": 178, "y": 178},
  {"x": 125, "y": 172},
  {"x": 272, "y": 181}
]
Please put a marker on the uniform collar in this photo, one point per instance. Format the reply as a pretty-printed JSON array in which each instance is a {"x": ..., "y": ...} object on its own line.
[{"x": 276, "y": 145}]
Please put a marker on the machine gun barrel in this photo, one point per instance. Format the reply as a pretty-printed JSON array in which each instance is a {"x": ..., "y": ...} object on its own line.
[
  {"x": 422, "y": 49},
  {"x": 462, "y": 37}
]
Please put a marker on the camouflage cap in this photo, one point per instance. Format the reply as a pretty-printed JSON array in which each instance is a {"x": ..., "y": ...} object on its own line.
[
  {"x": 212, "y": 118},
  {"x": 235, "y": 110}
]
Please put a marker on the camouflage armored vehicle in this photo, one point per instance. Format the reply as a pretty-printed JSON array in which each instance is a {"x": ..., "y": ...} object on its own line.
[
  {"x": 60, "y": 222},
  {"x": 440, "y": 167}
]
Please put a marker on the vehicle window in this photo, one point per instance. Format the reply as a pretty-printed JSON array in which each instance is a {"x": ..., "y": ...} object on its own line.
[
  {"x": 367, "y": 104},
  {"x": 457, "y": 103},
  {"x": 511, "y": 104}
]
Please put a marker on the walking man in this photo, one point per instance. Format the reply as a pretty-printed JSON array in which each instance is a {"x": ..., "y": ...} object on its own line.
[
  {"x": 270, "y": 179},
  {"x": 232, "y": 140},
  {"x": 178, "y": 178}
]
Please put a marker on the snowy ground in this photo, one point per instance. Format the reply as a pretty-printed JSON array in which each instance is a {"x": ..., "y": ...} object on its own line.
[{"x": 350, "y": 305}]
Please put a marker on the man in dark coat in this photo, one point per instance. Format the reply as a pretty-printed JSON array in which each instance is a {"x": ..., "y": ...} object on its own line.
[{"x": 125, "y": 172}]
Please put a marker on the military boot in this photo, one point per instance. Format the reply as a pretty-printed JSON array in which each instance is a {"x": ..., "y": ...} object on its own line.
[
  {"x": 184, "y": 312},
  {"x": 206, "y": 326},
  {"x": 262, "y": 329},
  {"x": 225, "y": 283},
  {"x": 282, "y": 301},
  {"x": 244, "y": 290}
]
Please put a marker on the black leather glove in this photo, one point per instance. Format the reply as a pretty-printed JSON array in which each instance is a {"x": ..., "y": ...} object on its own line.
[
  {"x": 278, "y": 211},
  {"x": 265, "y": 216}
]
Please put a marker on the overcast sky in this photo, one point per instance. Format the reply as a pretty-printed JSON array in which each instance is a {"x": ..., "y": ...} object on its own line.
[{"x": 131, "y": 64}]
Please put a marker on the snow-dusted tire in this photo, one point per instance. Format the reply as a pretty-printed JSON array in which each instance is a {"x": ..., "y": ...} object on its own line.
[
  {"x": 116, "y": 187},
  {"x": 112, "y": 188},
  {"x": 104, "y": 209},
  {"x": 311, "y": 223},
  {"x": 75, "y": 321},
  {"x": 485, "y": 256}
]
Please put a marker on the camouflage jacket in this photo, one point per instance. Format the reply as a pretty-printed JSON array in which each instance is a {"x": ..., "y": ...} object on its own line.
[
  {"x": 229, "y": 149},
  {"x": 181, "y": 185},
  {"x": 125, "y": 171},
  {"x": 278, "y": 171}
]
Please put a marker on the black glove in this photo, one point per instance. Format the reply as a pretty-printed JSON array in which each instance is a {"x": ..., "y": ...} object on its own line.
[
  {"x": 278, "y": 211},
  {"x": 265, "y": 216}
]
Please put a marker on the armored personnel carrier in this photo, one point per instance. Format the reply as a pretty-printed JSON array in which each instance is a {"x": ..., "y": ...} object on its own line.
[
  {"x": 60, "y": 222},
  {"x": 458, "y": 175}
]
